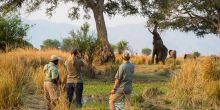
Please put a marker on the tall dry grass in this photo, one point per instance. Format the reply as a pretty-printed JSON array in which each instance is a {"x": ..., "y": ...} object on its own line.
[
  {"x": 135, "y": 59},
  {"x": 21, "y": 73},
  {"x": 197, "y": 84}
]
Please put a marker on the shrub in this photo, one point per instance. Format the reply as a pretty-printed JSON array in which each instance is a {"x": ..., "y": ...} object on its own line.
[
  {"x": 146, "y": 51},
  {"x": 15, "y": 81},
  {"x": 21, "y": 74},
  {"x": 152, "y": 92},
  {"x": 135, "y": 59},
  {"x": 197, "y": 84},
  {"x": 111, "y": 69}
]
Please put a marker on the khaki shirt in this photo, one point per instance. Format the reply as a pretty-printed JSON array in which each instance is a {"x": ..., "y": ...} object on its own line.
[
  {"x": 50, "y": 71},
  {"x": 125, "y": 76},
  {"x": 74, "y": 65}
]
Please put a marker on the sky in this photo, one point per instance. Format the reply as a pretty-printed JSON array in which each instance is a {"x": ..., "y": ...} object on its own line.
[
  {"x": 176, "y": 40},
  {"x": 61, "y": 16}
]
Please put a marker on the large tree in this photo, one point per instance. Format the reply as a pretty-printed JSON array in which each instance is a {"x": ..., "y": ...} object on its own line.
[
  {"x": 98, "y": 7},
  {"x": 199, "y": 16}
]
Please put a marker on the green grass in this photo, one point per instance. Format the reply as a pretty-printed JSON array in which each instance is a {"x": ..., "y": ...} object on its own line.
[
  {"x": 140, "y": 82},
  {"x": 99, "y": 89}
]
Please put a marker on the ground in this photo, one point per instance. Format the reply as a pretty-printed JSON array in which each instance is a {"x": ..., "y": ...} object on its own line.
[{"x": 97, "y": 91}]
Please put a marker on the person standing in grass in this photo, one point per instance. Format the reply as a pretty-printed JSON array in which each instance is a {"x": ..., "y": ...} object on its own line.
[
  {"x": 123, "y": 83},
  {"x": 51, "y": 79},
  {"x": 74, "y": 77}
]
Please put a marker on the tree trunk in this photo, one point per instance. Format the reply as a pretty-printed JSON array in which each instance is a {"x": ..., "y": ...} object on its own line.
[
  {"x": 218, "y": 29},
  {"x": 107, "y": 53}
]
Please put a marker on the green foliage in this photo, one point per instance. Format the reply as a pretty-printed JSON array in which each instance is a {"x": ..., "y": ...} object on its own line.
[
  {"x": 146, "y": 51},
  {"x": 111, "y": 70},
  {"x": 83, "y": 41},
  {"x": 77, "y": 7},
  {"x": 122, "y": 46},
  {"x": 51, "y": 43},
  {"x": 201, "y": 17},
  {"x": 197, "y": 54},
  {"x": 114, "y": 47},
  {"x": 110, "y": 7},
  {"x": 67, "y": 44},
  {"x": 12, "y": 32}
]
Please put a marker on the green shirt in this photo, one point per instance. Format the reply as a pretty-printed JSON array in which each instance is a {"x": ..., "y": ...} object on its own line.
[
  {"x": 74, "y": 74},
  {"x": 125, "y": 76},
  {"x": 50, "y": 71}
]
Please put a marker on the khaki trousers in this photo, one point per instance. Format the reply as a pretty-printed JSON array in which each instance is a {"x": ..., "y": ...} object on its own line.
[{"x": 51, "y": 94}]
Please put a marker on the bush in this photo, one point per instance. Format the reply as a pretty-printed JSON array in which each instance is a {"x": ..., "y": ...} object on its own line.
[
  {"x": 136, "y": 59},
  {"x": 197, "y": 54},
  {"x": 152, "y": 92},
  {"x": 15, "y": 80},
  {"x": 111, "y": 69},
  {"x": 146, "y": 51},
  {"x": 197, "y": 84},
  {"x": 21, "y": 74}
]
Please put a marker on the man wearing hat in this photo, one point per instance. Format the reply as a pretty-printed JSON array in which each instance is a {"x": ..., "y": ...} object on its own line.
[
  {"x": 51, "y": 82},
  {"x": 123, "y": 83}
]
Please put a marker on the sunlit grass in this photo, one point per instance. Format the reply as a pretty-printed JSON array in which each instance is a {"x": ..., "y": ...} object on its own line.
[{"x": 21, "y": 74}]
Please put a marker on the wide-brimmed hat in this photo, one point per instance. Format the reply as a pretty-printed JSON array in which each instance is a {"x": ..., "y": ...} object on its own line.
[{"x": 54, "y": 58}]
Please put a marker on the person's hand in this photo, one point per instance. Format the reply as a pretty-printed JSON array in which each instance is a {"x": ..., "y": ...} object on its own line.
[{"x": 113, "y": 91}]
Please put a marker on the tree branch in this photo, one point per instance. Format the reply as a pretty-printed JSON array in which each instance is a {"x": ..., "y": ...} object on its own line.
[{"x": 91, "y": 3}]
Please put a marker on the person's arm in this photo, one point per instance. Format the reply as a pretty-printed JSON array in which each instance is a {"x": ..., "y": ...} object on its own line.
[
  {"x": 115, "y": 86},
  {"x": 118, "y": 77}
]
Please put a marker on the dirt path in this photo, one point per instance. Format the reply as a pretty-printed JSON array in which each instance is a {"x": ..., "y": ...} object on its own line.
[{"x": 35, "y": 102}]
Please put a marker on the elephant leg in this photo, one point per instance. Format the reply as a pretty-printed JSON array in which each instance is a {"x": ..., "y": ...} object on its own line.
[
  {"x": 157, "y": 59},
  {"x": 164, "y": 55},
  {"x": 153, "y": 55}
]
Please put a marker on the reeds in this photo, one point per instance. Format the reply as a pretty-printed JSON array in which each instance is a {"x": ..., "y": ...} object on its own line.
[
  {"x": 21, "y": 73},
  {"x": 135, "y": 59},
  {"x": 197, "y": 84}
]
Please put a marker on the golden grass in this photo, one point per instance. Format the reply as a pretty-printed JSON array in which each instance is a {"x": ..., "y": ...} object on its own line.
[
  {"x": 197, "y": 84},
  {"x": 21, "y": 73},
  {"x": 135, "y": 59}
]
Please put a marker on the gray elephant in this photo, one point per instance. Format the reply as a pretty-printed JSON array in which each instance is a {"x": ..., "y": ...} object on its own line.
[
  {"x": 172, "y": 54},
  {"x": 159, "y": 49}
]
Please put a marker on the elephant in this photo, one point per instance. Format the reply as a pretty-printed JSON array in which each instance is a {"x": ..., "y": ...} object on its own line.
[
  {"x": 159, "y": 49},
  {"x": 172, "y": 54}
]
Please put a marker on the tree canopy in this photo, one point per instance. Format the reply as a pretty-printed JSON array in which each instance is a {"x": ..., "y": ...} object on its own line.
[
  {"x": 199, "y": 16},
  {"x": 146, "y": 51},
  {"x": 122, "y": 46},
  {"x": 12, "y": 33},
  {"x": 197, "y": 54},
  {"x": 50, "y": 43},
  {"x": 98, "y": 7}
]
